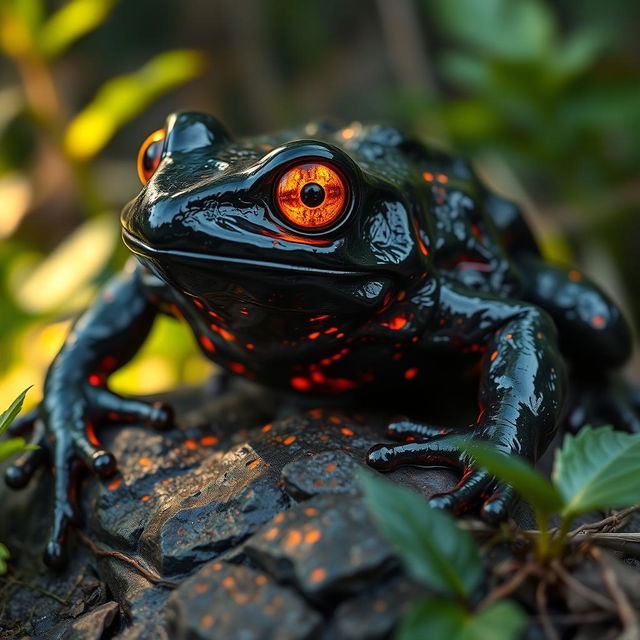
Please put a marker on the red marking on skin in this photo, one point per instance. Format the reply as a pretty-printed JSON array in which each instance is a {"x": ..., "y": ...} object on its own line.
[
  {"x": 331, "y": 330},
  {"x": 228, "y": 336},
  {"x": 314, "y": 335},
  {"x": 109, "y": 363},
  {"x": 475, "y": 229},
  {"x": 213, "y": 314},
  {"x": 325, "y": 362},
  {"x": 209, "y": 441},
  {"x": 396, "y": 323},
  {"x": 244, "y": 312},
  {"x": 94, "y": 380},
  {"x": 198, "y": 304},
  {"x": 267, "y": 427},
  {"x": 112, "y": 486},
  {"x": 237, "y": 367},
  {"x": 494, "y": 355},
  {"x": 410, "y": 439},
  {"x": 346, "y": 432},
  {"x": 145, "y": 498},
  {"x": 289, "y": 440},
  {"x": 91, "y": 435},
  {"x": 575, "y": 276},
  {"x": 442, "y": 178},
  {"x": 481, "y": 414},
  {"x": 401, "y": 295},
  {"x": 341, "y": 384},
  {"x": 249, "y": 346},
  {"x": 318, "y": 376},
  {"x": 427, "y": 176},
  {"x": 396, "y": 356},
  {"x": 598, "y": 322},
  {"x": 318, "y": 318},
  {"x": 509, "y": 336},
  {"x": 411, "y": 373},
  {"x": 191, "y": 444},
  {"x": 112, "y": 415},
  {"x": 339, "y": 336},
  {"x": 207, "y": 344},
  {"x": 415, "y": 339},
  {"x": 300, "y": 383}
]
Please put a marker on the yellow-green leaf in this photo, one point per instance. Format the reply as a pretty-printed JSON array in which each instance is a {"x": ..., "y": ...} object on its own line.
[
  {"x": 12, "y": 446},
  {"x": 72, "y": 21},
  {"x": 122, "y": 98},
  {"x": 8, "y": 416}
]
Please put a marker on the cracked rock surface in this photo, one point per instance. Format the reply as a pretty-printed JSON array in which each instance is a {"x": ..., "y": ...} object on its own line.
[{"x": 257, "y": 530}]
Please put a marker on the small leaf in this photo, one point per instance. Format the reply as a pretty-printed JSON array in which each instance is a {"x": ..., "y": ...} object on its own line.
[
  {"x": 429, "y": 542},
  {"x": 11, "y": 447},
  {"x": 72, "y": 21},
  {"x": 597, "y": 469},
  {"x": 516, "y": 472},
  {"x": 4, "y": 552},
  {"x": 122, "y": 98},
  {"x": 8, "y": 416},
  {"x": 439, "y": 618}
]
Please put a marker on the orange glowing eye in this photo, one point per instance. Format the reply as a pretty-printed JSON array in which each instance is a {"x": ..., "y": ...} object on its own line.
[
  {"x": 311, "y": 196},
  {"x": 150, "y": 155}
]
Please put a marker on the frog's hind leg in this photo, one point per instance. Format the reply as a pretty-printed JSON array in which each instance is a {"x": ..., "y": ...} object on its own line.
[{"x": 592, "y": 331}]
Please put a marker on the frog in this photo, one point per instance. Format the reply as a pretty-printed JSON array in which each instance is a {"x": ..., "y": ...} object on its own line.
[{"x": 332, "y": 260}]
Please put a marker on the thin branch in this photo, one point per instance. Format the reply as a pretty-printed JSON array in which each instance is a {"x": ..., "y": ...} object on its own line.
[
  {"x": 581, "y": 589},
  {"x": 508, "y": 587},
  {"x": 545, "y": 620}
]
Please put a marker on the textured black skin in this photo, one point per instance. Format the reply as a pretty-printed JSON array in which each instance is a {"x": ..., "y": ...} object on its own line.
[{"x": 426, "y": 275}]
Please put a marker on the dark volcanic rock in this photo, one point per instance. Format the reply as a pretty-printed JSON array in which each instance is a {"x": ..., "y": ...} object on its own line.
[
  {"x": 276, "y": 506},
  {"x": 227, "y": 601},
  {"x": 327, "y": 547}
]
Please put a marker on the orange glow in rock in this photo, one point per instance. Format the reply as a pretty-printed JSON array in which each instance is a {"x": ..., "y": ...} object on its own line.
[{"x": 311, "y": 196}]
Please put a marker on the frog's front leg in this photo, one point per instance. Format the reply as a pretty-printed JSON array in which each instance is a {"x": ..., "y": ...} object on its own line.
[
  {"x": 76, "y": 397},
  {"x": 521, "y": 394}
]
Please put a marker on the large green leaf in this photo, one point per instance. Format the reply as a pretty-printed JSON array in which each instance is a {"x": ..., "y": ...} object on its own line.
[
  {"x": 438, "y": 618},
  {"x": 72, "y": 21},
  {"x": 516, "y": 472},
  {"x": 8, "y": 416},
  {"x": 431, "y": 545},
  {"x": 122, "y": 98},
  {"x": 597, "y": 469},
  {"x": 12, "y": 446}
]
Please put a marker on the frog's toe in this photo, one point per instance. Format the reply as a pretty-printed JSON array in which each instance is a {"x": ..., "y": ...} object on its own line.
[
  {"x": 116, "y": 407},
  {"x": 386, "y": 457},
  {"x": 466, "y": 493},
  {"x": 401, "y": 428},
  {"x": 496, "y": 507},
  {"x": 101, "y": 462},
  {"x": 22, "y": 470}
]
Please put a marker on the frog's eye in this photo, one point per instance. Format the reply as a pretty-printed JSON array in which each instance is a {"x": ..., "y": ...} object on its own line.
[
  {"x": 150, "y": 155},
  {"x": 311, "y": 196}
]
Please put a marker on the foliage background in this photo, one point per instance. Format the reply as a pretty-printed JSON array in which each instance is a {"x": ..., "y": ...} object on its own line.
[{"x": 545, "y": 96}]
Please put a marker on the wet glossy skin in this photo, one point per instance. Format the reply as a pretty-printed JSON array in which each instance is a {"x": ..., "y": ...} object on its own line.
[{"x": 425, "y": 275}]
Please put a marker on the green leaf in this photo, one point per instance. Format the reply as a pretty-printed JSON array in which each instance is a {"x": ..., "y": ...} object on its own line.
[
  {"x": 122, "y": 98},
  {"x": 516, "y": 30},
  {"x": 439, "y": 618},
  {"x": 597, "y": 469},
  {"x": 11, "y": 447},
  {"x": 8, "y": 416},
  {"x": 4, "y": 556},
  {"x": 579, "y": 52},
  {"x": 429, "y": 542},
  {"x": 72, "y": 21},
  {"x": 517, "y": 472}
]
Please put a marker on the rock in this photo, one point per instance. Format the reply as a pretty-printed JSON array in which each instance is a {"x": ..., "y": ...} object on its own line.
[
  {"x": 90, "y": 626},
  {"x": 325, "y": 472},
  {"x": 327, "y": 547},
  {"x": 227, "y": 601}
]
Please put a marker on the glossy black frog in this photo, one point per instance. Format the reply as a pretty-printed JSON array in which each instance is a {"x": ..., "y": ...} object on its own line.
[{"x": 332, "y": 260}]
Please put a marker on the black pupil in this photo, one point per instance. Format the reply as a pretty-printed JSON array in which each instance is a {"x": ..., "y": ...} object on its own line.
[
  {"x": 151, "y": 156},
  {"x": 312, "y": 194}
]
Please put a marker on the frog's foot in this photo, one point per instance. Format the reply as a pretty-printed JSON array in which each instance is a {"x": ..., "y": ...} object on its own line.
[
  {"x": 475, "y": 487},
  {"x": 65, "y": 437},
  {"x": 614, "y": 404}
]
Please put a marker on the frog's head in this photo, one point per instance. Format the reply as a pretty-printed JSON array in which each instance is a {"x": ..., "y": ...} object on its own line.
[{"x": 295, "y": 225}]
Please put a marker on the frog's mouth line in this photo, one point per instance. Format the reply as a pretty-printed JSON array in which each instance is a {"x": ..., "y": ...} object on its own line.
[{"x": 140, "y": 248}]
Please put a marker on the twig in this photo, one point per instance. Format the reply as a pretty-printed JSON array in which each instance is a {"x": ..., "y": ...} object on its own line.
[
  {"x": 625, "y": 610},
  {"x": 40, "y": 590},
  {"x": 545, "y": 620},
  {"x": 150, "y": 575},
  {"x": 583, "y": 590},
  {"x": 508, "y": 587},
  {"x": 616, "y": 518}
]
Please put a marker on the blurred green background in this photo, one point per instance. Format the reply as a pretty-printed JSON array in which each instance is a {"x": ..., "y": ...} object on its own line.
[{"x": 545, "y": 97}]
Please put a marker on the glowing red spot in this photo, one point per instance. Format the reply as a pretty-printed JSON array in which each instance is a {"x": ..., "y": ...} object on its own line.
[
  {"x": 442, "y": 178},
  {"x": 300, "y": 383},
  {"x": 94, "y": 380},
  {"x": 401, "y": 295},
  {"x": 112, "y": 486},
  {"x": 249, "y": 346},
  {"x": 318, "y": 318},
  {"x": 145, "y": 498},
  {"x": 494, "y": 355},
  {"x": 411, "y": 373},
  {"x": 91, "y": 435},
  {"x": 575, "y": 276},
  {"x": 339, "y": 336},
  {"x": 346, "y": 432},
  {"x": 237, "y": 367},
  {"x": 325, "y": 361},
  {"x": 314, "y": 335},
  {"x": 396, "y": 356},
  {"x": 509, "y": 336},
  {"x": 318, "y": 376},
  {"x": 244, "y": 312},
  {"x": 427, "y": 176},
  {"x": 209, "y": 441},
  {"x": 207, "y": 344},
  {"x": 331, "y": 330},
  {"x": 213, "y": 314},
  {"x": 397, "y": 322},
  {"x": 198, "y": 304},
  {"x": 191, "y": 444},
  {"x": 598, "y": 322}
]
